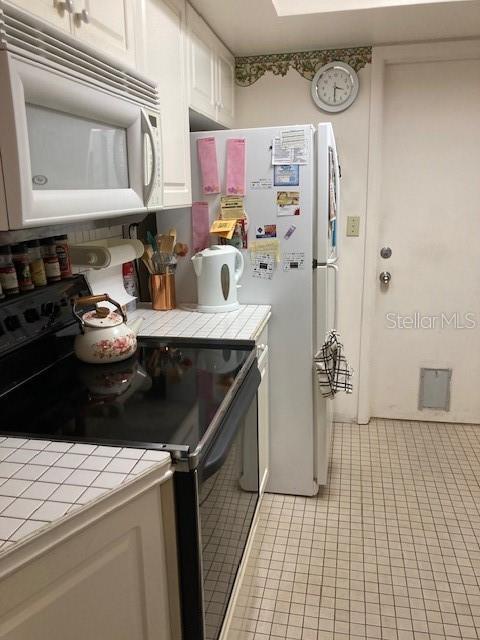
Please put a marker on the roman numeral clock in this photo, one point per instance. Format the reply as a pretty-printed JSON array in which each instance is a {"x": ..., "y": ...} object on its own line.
[{"x": 335, "y": 87}]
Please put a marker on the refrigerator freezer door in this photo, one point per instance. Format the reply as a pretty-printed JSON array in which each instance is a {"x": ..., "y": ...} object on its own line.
[
  {"x": 325, "y": 294},
  {"x": 328, "y": 195}
]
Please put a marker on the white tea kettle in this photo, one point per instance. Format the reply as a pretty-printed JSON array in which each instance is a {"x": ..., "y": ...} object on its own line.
[{"x": 218, "y": 271}]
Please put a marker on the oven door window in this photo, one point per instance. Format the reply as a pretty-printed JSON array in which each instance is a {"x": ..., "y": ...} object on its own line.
[
  {"x": 72, "y": 152},
  {"x": 228, "y": 495}
]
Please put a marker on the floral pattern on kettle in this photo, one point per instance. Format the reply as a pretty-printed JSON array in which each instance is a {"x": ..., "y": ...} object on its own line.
[{"x": 108, "y": 349}]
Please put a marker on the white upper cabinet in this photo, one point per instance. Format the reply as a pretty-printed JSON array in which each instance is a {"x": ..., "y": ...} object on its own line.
[
  {"x": 161, "y": 55},
  {"x": 106, "y": 25},
  {"x": 53, "y": 11},
  {"x": 225, "y": 85},
  {"x": 211, "y": 71}
]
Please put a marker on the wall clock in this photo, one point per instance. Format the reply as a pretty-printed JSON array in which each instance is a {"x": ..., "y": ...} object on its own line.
[{"x": 335, "y": 87}]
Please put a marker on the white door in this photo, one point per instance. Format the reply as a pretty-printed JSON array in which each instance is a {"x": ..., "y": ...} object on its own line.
[
  {"x": 50, "y": 11},
  {"x": 225, "y": 86},
  {"x": 429, "y": 208},
  {"x": 202, "y": 65},
  {"x": 163, "y": 60},
  {"x": 108, "y": 26}
]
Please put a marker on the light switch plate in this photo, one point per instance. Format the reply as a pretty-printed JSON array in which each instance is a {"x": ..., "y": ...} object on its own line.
[{"x": 353, "y": 226}]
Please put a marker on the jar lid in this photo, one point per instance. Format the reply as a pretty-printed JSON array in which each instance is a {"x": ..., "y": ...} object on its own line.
[
  {"x": 33, "y": 243},
  {"x": 64, "y": 236},
  {"x": 48, "y": 241},
  {"x": 102, "y": 317}
]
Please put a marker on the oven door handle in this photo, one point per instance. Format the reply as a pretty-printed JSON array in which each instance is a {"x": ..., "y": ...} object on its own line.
[{"x": 216, "y": 455}]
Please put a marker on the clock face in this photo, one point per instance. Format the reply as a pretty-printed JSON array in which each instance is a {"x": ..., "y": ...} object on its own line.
[{"x": 335, "y": 86}]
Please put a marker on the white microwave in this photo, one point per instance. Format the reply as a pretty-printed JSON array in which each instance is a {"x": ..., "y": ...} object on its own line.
[{"x": 79, "y": 137}]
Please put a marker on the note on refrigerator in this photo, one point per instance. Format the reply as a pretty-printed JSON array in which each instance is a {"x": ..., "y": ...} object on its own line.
[
  {"x": 200, "y": 226},
  {"x": 288, "y": 203},
  {"x": 263, "y": 266},
  {"x": 280, "y": 154},
  {"x": 207, "y": 156},
  {"x": 293, "y": 261},
  {"x": 232, "y": 208},
  {"x": 296, "y": 141},
  {"x": 236, "y": 166}
]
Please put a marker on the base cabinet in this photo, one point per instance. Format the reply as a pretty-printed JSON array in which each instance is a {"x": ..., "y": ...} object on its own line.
[
  {"x": 108, "y": 581},
  {"x": 263, "y": 418}
]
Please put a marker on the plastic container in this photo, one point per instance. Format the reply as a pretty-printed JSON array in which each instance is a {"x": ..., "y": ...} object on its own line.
[
  {"x": 63, "y": 254},
  {"x": 21, "y": 260},
  {"x": 50, "y": 259},
  {"x": 37, "y": 267},
  {"x": 8, "y": 274}
]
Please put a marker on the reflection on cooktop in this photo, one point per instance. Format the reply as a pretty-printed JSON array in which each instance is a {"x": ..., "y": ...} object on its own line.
[{"x": 166, "y": 393}]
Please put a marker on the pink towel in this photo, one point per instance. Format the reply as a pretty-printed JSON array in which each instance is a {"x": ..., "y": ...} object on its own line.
[
  {"x": 207, "y": 155},
  {"x": 236, "y": 166},
  {"x": 200, "y": 226}
]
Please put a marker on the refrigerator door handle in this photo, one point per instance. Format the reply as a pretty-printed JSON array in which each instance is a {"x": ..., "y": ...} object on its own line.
[{"x": 335, "y": 305}]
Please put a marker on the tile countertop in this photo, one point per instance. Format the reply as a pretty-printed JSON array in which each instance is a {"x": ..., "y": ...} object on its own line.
[
  {"x": 41, "y": 481},
  {"x": 243, "y": 324}
]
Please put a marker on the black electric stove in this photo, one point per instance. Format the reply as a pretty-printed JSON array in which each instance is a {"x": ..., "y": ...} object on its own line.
[{"x": 195, "y": 399}]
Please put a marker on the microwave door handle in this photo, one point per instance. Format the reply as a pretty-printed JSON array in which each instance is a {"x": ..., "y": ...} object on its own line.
[{"x": 147, "y": 129}]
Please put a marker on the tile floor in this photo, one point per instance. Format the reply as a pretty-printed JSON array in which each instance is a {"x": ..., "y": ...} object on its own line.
[{"x": 389, "y": 550}]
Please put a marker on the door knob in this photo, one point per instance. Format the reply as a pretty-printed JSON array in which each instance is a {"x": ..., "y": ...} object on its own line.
[{"x": 385, "y": 278}]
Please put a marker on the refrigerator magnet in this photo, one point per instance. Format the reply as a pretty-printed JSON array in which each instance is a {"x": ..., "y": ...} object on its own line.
[
  {"x": 288, "y": 203},
  {"x": 290, "y": 232},
  {"x": 286, "y": 175},
  {"x": 266, "y": 231},
  {"x": 294, "y": 261}
]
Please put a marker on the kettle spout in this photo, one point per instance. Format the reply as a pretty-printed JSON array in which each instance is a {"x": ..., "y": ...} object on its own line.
[{"x": 135, "y": 325}]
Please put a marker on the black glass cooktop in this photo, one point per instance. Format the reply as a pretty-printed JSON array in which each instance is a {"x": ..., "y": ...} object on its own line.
[{"x": 167, "y": 393}]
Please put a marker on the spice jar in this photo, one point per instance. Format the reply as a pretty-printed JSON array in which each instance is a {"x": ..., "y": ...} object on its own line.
[
  {"x": 21, "y": 261},
  {"x": 8, "y": 275},
  {"x": 63, "y": 253},
  {"x": 50, "y": 259},
  {"x": 37, "y": 268}
]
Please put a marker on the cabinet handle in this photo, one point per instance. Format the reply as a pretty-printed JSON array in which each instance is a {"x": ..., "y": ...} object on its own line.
[
  {"x": 66, "y": 4},
  {"x": 82, "y": 16}
]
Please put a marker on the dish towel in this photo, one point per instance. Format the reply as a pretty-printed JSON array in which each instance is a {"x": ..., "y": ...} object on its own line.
[{"x": 333, "y": 371}]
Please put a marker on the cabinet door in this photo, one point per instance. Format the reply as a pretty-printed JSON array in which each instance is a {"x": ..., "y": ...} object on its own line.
[
  {"x": 50, "y": 11},
  {"x": 107, "y": 581},
  {"x": 109, "y": 28},
  {"x": 164, "y": 60},
  {"x": 201, "y": 65},
  {"x": 263, "y": 418},
  {"x": 225, "y": 86}
]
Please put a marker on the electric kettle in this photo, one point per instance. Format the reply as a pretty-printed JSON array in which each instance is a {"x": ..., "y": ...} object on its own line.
[{"x": 218, "y": 271}]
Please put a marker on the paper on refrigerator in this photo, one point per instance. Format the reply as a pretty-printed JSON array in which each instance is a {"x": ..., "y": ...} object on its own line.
[
  {"x": 290, "y": 147},
  {"x": 207, "y": 156},
  {"x": 236, "y": 166}
]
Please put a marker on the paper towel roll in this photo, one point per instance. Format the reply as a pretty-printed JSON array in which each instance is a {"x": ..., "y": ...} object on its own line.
[{"x": 101, "y": 254}]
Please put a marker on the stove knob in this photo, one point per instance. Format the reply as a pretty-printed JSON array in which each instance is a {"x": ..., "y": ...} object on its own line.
[
  {"x": 12, "y": 323},
  {"x": 31, "y": 315},
  {"x": 47, "y": 309}
]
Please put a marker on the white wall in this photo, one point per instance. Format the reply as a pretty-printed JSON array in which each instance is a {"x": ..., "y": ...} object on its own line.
[{"x": 275, "y": 100}]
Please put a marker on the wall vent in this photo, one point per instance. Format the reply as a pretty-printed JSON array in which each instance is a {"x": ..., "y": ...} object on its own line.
[{"x": 434, "y": 390}]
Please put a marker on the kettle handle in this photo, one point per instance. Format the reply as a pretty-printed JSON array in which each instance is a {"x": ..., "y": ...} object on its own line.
[
  {"x": 241, "y": 265},
  {"x": 86, "y": 301}
]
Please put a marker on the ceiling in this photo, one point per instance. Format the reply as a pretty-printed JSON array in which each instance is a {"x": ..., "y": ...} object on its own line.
[
  {"x": 302, "y": 7},
  {"x": 250, "y": 27}
]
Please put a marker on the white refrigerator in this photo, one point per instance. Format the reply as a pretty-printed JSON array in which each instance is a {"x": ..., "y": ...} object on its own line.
[{"x": 300, "y": 284}]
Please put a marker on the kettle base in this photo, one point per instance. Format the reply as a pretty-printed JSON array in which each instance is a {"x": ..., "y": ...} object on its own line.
[{"x": 206, "y": 308}]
